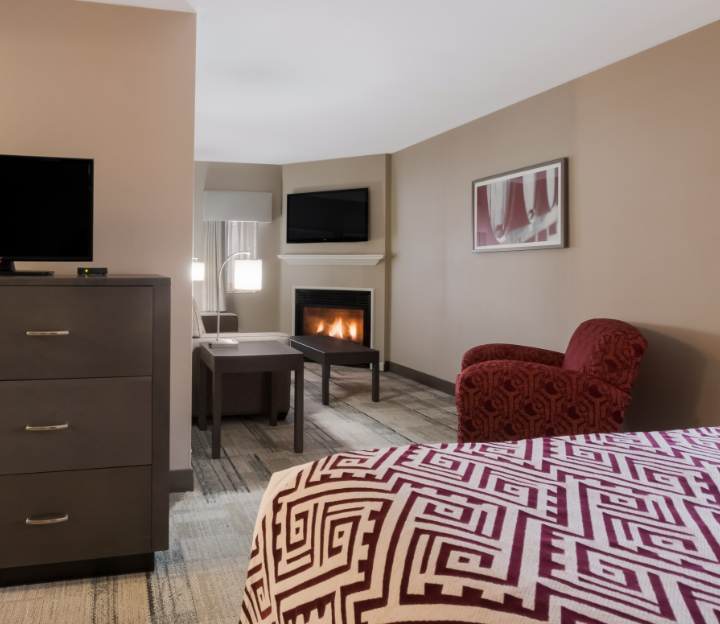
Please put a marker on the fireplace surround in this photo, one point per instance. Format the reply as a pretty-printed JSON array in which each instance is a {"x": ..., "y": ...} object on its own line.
[{"x": 343, "y": 313}]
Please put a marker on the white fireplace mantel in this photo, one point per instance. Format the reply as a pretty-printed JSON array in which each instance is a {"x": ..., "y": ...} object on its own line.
[{"x": 327, "y": 259}]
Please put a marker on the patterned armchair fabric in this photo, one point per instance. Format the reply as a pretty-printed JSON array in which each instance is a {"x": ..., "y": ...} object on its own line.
[
  {"x": 510, "y": 392},
  {"x": 608, "y": 349},
  {"x": 490, "y": 352}
]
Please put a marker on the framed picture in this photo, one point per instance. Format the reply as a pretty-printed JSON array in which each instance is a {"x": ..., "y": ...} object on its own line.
[{"x": 522, "y": 209}]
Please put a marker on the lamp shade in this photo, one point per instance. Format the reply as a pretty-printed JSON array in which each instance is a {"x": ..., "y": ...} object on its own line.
[
  {"x": 198, "y": 271},
  {"x": 247, "y": 275}
]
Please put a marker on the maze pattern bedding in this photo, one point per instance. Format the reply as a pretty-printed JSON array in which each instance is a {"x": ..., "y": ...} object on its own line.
[{"x": 609, "y": 528}]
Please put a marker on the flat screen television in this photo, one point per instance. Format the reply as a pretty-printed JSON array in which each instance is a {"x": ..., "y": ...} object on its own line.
[
  {"x": 328, "y": 216},
  {"x": 46, "y": 210}
]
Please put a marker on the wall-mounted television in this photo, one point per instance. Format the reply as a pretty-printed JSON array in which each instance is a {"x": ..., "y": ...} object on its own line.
[
  {"x": 46, "y": 210},
  {"x": 328, "y": 216}
]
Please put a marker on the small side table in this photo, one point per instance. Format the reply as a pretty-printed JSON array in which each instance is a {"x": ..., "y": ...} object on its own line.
[
  {"x": 327, "y": 350},
  {"x": 267, "y": 356}
]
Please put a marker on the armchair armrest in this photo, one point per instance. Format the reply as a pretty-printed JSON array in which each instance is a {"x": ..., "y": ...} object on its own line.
[
  {"x": 228, "y": 322},
  {"x": 488, "y": 352},
  {"x": 506, "y": 400}
]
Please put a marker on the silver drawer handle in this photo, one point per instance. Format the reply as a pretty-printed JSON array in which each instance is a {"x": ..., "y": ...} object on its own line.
[
  {"x": 48, "y": 333},
  {"x": 47, "y": 428},
  {"x": 47, "y": 520}
]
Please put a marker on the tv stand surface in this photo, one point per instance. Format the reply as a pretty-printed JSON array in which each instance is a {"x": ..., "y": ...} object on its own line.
[{"x": 26, "y": 273}]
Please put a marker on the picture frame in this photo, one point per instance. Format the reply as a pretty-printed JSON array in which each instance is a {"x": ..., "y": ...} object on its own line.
[{"x": 501, "y": 219}]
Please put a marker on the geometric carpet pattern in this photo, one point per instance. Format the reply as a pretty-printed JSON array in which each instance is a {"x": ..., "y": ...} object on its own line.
[
  {"x": 201, "y": 578},
  {"x": 611, "y": 528}
]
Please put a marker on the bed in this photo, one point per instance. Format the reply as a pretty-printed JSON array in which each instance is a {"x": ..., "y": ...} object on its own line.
[{"x": 580, "y": 529}]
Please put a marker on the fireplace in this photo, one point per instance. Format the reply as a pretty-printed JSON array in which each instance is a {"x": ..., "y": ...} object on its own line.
[{"x": 344, "y": 314}]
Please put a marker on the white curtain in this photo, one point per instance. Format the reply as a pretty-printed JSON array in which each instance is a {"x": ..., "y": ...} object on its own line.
[
  {"x": 551, "y": 179},
  {"x": 215, "y": 255},
  {"x": 498, "y": 194},
  {"x": 241, "y": 236},
  {"x": 529, "y": 195}
]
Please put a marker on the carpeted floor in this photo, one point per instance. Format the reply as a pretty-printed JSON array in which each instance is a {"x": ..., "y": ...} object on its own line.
[{"x": 201, "y": 578}]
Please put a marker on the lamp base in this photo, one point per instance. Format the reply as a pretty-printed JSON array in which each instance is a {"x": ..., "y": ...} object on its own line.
[{"x": 223, "y": 343}]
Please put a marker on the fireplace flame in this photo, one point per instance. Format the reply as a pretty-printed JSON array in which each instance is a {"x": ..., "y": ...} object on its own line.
[
  {"x": 348, "y": 325},
  {"x": 338, "y": 329}
]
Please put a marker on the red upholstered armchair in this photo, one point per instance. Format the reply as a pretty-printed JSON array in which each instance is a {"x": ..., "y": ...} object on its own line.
[{"x": 509, "y": 392}]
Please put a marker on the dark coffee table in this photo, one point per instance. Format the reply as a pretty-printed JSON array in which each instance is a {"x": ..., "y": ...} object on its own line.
[
  {"x": 266, "y": 356},
  {"x": 327, "y": 350}
]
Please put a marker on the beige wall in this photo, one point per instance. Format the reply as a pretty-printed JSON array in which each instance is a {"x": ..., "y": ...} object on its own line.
[
  {"x": 115, "y": 84},
  {"x": 259, "y": 311},
  {"x": 342, "y": 173},
  {"x": 643, "y": 141}
]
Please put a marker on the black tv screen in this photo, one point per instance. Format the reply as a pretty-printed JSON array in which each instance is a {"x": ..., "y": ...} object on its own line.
[
  {"x": 328, "y": 216},
  {"x": 46, "y": 208}
]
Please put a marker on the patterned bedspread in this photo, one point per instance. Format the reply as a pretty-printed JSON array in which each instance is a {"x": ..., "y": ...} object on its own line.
[{"x": 582, "y": 529}]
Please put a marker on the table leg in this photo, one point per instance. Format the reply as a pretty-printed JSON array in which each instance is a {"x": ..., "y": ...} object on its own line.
[
  {"x": 325, "y": 382},
  {"x": 376, "y": 379},
  {"x": 273, "y": 399},
  {"x": 217, "y": 413},
  {"x": 299, "y": 376},
  {"x": 202, "y": 396}
]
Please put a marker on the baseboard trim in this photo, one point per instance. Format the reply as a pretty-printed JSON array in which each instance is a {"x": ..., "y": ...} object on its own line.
[
  {"x": 448, "y": 387},
  {"x": 182, "y": 480},
  {"x": 45, "y": 573}
]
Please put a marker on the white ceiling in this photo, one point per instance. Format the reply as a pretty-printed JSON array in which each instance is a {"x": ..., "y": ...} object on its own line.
[{"x": 282, "y": 81}]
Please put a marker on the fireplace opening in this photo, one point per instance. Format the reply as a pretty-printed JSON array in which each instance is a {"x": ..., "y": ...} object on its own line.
[
  {"x": 336, "y": 322},
  {"x": 344, "y": 314}
]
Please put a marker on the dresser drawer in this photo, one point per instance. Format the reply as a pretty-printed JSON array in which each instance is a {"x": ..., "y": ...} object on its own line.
[
  {"x": 108, "y": 423},
  {"x": 108, "y": 332},
  {"x": 108, "y": 515}
]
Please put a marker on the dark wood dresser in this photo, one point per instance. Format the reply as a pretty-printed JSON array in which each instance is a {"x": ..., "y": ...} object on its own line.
[{"x": 84, "y": 425}]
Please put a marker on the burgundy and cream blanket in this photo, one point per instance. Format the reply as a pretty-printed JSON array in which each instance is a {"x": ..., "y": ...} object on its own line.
[{"x": 582, "y": 529}]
